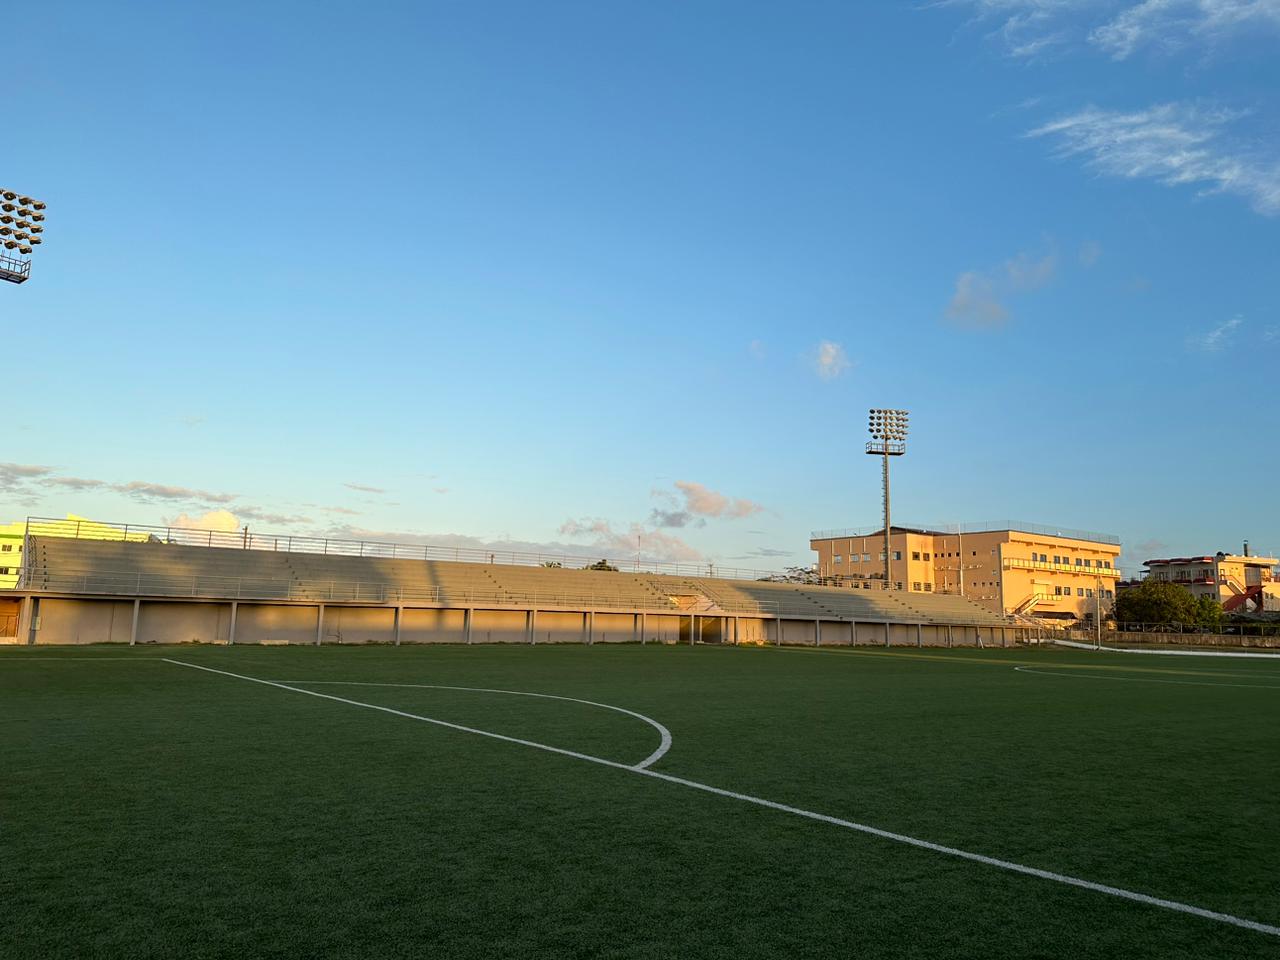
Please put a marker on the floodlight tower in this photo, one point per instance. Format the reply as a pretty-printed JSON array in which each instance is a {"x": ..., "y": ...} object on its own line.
[
  {"x": 21, "y": 224},
  {"x": 888, "y": 430}
]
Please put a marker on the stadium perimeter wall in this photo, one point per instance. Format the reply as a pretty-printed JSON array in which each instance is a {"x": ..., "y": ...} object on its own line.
[{"x": 34, "y": 618}]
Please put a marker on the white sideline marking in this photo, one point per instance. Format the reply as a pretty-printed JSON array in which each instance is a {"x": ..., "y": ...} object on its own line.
[
  {"x": 797, "y": 811},
  {"x": 1166, "y": 653},
  {"x": 1187, "y": 683},
  {"x": 663, "y": 733}
]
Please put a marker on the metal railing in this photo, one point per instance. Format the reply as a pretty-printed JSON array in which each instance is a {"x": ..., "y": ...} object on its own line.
[
  {"x": 385, "y": 549},
  {"x": 137, "y": 583},
  {"x": 1017, "y": 563},
  {"x": 982, "y": 526}
]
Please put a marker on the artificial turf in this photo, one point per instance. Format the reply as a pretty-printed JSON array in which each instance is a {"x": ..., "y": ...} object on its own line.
[{"x": 151, "y": 810}]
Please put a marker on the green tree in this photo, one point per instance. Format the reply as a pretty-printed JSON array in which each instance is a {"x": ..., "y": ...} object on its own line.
[
  {"x": 1157, "y": 601},
  {"x": 602, "y": 565},
  {"x": 1208, "y": 613}
]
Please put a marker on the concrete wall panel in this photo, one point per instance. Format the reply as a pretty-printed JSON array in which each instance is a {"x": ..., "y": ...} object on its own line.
[
  {"x": 276, "y": 624},
  {"x": 432, "y": 626},
  {"x": 184, "y": 622},
  {"x": 359, "y": 625},
  {"x": 84, "y": 621}
]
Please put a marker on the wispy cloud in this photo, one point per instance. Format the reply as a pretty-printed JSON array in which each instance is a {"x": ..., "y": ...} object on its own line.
[
  {"x": 15, "y": 475},
  {"x": 1173, "y": 144},
  {"x": 602, "y": 537},
  {"x": 978, "y": 301},
  {"x": 1090, "y": 253},
  {"x": 830, "y": 360},
  {"x": 1169, "y": 25},
  {"x": 692, "y": 503},
  {"x": 974, "y": 303},
  {"x": 1217, "y": 338},
  {"x": 364, "y": 488},
  {"x": 1120, "y": 28},
  {"x": 149, "y": 492}
]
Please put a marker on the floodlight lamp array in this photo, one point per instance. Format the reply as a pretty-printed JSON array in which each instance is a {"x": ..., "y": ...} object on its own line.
[
  {"x": 888, "y": 424},
  {"x": 21, "y": 223}
]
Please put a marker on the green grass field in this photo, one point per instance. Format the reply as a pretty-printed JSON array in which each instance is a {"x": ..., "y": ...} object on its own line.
[{"x": 149, "y": 809}]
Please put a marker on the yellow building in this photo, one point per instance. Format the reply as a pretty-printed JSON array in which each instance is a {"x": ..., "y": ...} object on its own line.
[
  {"x": 13, "y": 535},
  {"x": 1010, "y": 568},
  {"x": 1238, "y": 581}
]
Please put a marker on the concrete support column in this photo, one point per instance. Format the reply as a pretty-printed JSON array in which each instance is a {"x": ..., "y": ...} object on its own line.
[
  {"x": 643, "y": 626},
  {"x": 396, "y": 631},
  {"x": 467, "y": 616},
  {"x": 736, "y": 627},
  {"x": 977, "y": 633},
  {"x": 589, "y": 626},
  {"x": 919, "y": 634},
  {"x": 886, "y": 633},
  {"x": 948, "y": 636},
  {"x": 25, "y": 633},
  {"x": 231, "y": 627},
  {"x": 693, "y": 629},
  {"x": 853, "y": 633},
  {"x": 533, "y": 627},
  {"x": 817, "y": 633},
  {"x": 1004, "y": 637},
  {"x": 133, "y": 626},
  {"x": 319, "y": 623},
  {"x": 777, "y": 632}
]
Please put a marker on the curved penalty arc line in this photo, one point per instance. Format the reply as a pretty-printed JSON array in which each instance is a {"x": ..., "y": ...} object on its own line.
[{"x": 663, "y": 733}]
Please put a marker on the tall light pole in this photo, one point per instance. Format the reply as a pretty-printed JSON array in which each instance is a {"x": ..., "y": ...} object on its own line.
[
  {"x": 888, "y": 430},
  {"x": 21, "y": 224}
]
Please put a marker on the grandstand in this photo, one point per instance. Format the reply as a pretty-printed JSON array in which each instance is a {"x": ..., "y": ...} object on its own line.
[{"x": 203, "y": 586}]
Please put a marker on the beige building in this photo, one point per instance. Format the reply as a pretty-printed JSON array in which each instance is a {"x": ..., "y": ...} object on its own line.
[
  {"x": 1240, "y": 582},
  {"x": 1009, "y": 568}
]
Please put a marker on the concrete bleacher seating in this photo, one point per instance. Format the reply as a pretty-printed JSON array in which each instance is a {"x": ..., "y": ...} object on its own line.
[{"x": 157, "y": 568}]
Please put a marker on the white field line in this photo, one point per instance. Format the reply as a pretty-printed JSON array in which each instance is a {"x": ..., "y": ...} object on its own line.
[
  {"x": 1166, "y": 653},
  {"x": 797, "y": 811},
  {"x": 663, "y": 733},
  {"x": 1082, "y": 675}
]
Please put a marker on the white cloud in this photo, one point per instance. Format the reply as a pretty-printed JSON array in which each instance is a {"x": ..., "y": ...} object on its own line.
[
  {"x": 222, "y": 521},
  {"x": 830, "y": 360},
  {"x": 1217, "y": 338},
  {"x": 599, "y": 536},
  {"x": 1173, "y": 144}
]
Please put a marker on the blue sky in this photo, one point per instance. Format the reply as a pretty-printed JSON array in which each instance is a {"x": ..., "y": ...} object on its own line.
[{"x": 562, "y": 274}]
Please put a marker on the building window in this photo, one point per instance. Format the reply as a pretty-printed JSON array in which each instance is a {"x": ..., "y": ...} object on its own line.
[
  {"x": 928, "y": 588},
  {"x": 1079, "y": 563},
  {"x": 839, "y": 558},
  {"x": 1089, "y": 592},
  {"x": 898, "y": 585},
  {"x": 1079, "y": 591},
  {"x": 4, "y": 571},
  {"x": 6, "y": 548},
  {"x": 926, "y": 556},
  {"x": 915, "y": 554},
  {"x": 897, "y": 555},
  {"x": 1088, "y": 562},
  {"x": 866, "y": 558},
  {"x": 916, "y": 587}
]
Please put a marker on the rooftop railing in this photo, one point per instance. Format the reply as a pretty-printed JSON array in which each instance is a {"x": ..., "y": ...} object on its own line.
[{"x": 983, "y": 526}]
